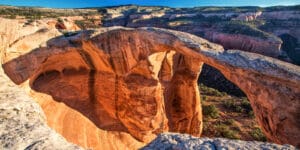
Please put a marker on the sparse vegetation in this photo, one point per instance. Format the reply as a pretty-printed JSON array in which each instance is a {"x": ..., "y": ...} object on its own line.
[
  {"x": 38, "y": 13},
  {"x": 68, "y": 34},
  {"x": 210, "y": 111},
  {"x": 257, "y": 134},
  {"x": 210, "y": 91},
  {"x": 80, "y": 24},
  {"x": 228, "y": 116},
  {"x": 241, "y": 106},
  {"x": 87, "y": 23},
  {"x": 225, "y": 131},
  {"x": 244, "y": 28}
]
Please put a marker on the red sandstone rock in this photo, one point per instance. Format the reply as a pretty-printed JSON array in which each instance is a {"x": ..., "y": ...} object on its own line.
[{"x": 124, "y": 86}]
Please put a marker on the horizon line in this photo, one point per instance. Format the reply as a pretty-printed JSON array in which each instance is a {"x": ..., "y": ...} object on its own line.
[{"x": 107, "y": 6}]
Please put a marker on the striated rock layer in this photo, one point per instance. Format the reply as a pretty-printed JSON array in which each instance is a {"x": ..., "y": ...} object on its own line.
[{"x": 119, "y": 87}]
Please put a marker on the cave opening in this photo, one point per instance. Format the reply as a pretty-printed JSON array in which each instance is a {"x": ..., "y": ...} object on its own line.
[{"x": 226, "y": 110}]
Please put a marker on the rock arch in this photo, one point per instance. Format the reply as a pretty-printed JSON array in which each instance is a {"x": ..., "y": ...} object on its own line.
[{"x": 144, "y": 81}]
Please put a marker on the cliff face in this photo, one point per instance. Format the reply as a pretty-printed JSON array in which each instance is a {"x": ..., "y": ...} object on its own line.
[
  {"x": 246, "y": 43},
  {"x": 118, "y": 88}
]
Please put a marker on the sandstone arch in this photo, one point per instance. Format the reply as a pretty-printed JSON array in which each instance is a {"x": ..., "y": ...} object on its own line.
[{"x": 144, "y": 81}]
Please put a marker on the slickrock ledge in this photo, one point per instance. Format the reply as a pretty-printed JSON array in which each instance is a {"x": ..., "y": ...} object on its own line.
[
  {"x": 188, "y": 142},
  {"x": 117, "y": 88}
]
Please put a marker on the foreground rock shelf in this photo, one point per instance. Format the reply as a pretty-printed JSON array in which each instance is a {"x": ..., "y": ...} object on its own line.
[
  {"x": 117, "y": 88},
  {"x": 187, "y": 142}
]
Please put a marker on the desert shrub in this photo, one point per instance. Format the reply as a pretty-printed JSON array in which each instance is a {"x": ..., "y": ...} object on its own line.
[
  {"x": 229, "y": 122},
  {"x": 210, "y": 111},
  {"x": 239, "y": 106},
  {"x": 246, "y": 104},
  {"x": 60, "y": 20},
  {"x": 68, "y": 34},
  {"x": 210, "y": 91},
  {"x": 258, "y": 135},
  {"x": 12, "y": 17},
  {"x": 80, "y": 24},
  {"x": 251, "y": 114},
  {"x": 232, "y": 105},
  {"x": 224, "y": 131},
  {"x": 203, "y": 97}
]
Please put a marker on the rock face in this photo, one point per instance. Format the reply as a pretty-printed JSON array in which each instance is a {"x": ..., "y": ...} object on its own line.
[
  {"x": 249, "y": 16},
  {"x": 187, "y": 142},
  {"x": 121, "y": 87},
  {"x": 268, "y": 47},
  {"x": 23, "y": 124}
]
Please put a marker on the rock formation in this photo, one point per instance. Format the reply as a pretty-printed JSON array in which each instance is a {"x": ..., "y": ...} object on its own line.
[
  {"x": 121, "y": 87},
  {"x": 185, "y": 142},
  {"x": 23, "y": 124},
  {"x": 268, "y": 47}
]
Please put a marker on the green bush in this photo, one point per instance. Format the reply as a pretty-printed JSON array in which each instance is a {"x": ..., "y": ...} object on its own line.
[
  {"x": 258, "y": 135},
  {"x": 225, "y": 131},
  {"x": 210, "y": 111},
  {"x": 239, "y": 106},
  {"x": 210, "y": 91},
  {"x": 229, "y": 121},
  {"x": 246, "y": 104},
  {"x": 233, "y": 105},
  {"x": 60, "y": 20},
  {"x": 203, "y": 97},
  {"x": 251, "y": 114}
]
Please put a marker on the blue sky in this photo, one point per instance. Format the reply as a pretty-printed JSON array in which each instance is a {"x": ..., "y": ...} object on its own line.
[{"x": 171, "y": 3}]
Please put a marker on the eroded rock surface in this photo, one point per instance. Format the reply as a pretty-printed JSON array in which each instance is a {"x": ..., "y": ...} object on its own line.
[
  {"x": 120, "y": 87},
  {"x": 23, "y": 124},
  {"x": 187, "y": 142}
]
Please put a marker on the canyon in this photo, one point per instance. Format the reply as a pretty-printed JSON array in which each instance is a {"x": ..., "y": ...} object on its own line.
[{"x": 120, "y": 87}]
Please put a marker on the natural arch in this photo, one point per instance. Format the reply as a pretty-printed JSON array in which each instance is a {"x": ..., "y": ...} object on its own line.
[{"x": 142, "y": 82}]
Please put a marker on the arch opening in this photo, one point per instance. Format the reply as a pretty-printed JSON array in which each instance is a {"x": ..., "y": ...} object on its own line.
[{"x": 227, "y": 112}]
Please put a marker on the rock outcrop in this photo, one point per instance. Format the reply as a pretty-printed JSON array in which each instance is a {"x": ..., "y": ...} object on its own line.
[
  {"x": 249, "y": 16},
  {"x": 121, "y": 87},
  {"x": 23, "y": 124},
  {"x": 268, "y": 47},
  {"x": 187, "y": 142}
]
